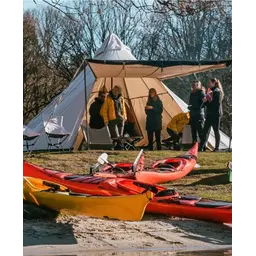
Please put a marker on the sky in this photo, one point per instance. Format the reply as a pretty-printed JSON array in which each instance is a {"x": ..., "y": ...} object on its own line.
[{"x": 29, "y": 4}]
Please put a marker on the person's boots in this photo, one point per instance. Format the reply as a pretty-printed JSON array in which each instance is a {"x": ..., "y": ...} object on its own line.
[
  {"x": 177, "y": 147},
  {"x": 216, "y": 149},
  {"x": 159, "y": 146}
]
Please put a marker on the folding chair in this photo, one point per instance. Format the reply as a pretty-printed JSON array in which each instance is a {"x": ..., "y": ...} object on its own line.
[
  {"x": 130, "y": 142},
  {"x": 171, "y": 144},
  {"x": 29, "y": 135},
  {"x": 98, "y": 138},
  {"x": 55, "y": 132}
]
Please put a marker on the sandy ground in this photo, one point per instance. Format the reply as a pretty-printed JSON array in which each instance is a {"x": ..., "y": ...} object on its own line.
[{"x": 154, "y": 235}]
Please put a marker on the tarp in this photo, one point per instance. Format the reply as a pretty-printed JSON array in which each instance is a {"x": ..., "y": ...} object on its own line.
[{"x": 153, "y": 69}]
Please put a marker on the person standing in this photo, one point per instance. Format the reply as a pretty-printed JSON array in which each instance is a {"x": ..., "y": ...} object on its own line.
[
  {"x": 96, "y": 120},
  {"x": 113, "y": 112},
  {"x": 214, "y": 112},
  {"x": 154, "y": 109},
  {"x": 196, "y": 107}
]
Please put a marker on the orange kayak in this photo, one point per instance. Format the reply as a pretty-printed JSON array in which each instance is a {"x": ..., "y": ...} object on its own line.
[
  {"x": 162, "y": 171},
  {"x": 165, "y": 201}
]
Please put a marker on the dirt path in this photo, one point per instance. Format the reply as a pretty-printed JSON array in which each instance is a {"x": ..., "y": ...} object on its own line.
[{"x": 77, "y": 235}]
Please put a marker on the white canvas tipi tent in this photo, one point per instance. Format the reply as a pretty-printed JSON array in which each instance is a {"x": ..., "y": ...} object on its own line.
[{"x": 71, "y": 102}]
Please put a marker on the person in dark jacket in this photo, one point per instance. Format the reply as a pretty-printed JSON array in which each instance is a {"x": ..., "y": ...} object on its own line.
[
  {"x": 96, "y": 120},
  {"x": 154, "y": 109},
  {"x": 196, "y": 107},
  {"x": 213, "y": 102}
]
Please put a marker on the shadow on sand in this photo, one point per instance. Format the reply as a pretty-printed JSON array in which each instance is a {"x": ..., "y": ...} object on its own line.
[
  {"x": 209, "y": 232},
  {"x": 40, "y": 227}
]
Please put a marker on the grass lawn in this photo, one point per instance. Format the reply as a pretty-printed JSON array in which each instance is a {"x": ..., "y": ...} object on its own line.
[{"x": 209, "y": 181}]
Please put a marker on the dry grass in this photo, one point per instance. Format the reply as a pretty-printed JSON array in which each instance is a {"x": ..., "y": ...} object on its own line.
[{"x": 209, "y": 181}]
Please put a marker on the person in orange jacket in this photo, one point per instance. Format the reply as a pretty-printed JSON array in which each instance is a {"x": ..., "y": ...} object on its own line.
[
  {"x": 176, "y": 126},
  {"x": 113, "y": 112}
]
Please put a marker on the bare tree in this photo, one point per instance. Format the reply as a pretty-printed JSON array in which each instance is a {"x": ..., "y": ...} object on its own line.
[
  {"x": 67, "y": 42},
  {"x": 40, "y": 83},
  {"x": 176, "y": 7}
]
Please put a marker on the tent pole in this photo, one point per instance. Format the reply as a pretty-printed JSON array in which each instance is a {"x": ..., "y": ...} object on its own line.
[
  {"x": 86, "y": 103},
  {"x": 230, "y": 136}
]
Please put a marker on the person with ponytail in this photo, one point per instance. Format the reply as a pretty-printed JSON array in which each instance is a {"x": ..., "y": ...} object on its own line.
[
  {"x": 196, "y": 107},
  {"x": 214, "y": 112}
]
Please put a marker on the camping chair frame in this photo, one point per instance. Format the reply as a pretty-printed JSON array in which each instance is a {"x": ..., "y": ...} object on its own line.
[
  {"x": 61, "y": 138},
  {"x": 170, "y": 144},
  {"x": 127, "y": 141},
  {"x": 130, "y": 144},
  {"x": 27, "y": 139}
]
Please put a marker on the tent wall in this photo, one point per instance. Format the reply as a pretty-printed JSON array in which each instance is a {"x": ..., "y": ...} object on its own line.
[{"x": 69, "y": 104}]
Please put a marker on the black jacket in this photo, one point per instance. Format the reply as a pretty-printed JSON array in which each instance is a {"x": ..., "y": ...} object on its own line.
[
  {"x": 214, "y": 107},
  {"x": 196, "y": 105},
  {"x": 96, "y": 121},
  {"x": 154, "y": 116}
]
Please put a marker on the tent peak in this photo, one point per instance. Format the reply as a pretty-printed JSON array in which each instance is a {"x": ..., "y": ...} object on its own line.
[{"x": 114, "y": 47}]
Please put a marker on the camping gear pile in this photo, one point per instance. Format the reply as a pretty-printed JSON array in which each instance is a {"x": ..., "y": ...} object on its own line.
[{"x": 94, "y": 194}]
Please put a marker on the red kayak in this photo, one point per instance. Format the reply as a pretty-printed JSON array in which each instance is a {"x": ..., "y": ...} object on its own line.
[
  {"x": 88, "y": 184},
  {"x": 193, "y": 208},
  {"x": 162, "y": 171},
  {"x": 166, "y": 201}
]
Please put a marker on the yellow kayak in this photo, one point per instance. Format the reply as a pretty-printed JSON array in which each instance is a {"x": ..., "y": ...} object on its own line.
[{"x": 59, "y": 198}]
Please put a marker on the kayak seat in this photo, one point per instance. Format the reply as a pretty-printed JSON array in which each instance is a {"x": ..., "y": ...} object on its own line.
[
  {"x": 213, "y": 204},
  {"x": 169, "y": 201},
  {"x": 166, "y": 192},
  {"x": 187, "y": 157},
  {"x": 164, "y": 165},
  {"x": 164, "y": 169},
  {"x": 71, "y": 177},
  {"x": 190, "y": 198}
]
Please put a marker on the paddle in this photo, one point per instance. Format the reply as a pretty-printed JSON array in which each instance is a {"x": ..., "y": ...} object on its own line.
[
  {"x": 135, "y": 163},
  {"x": 102, "y": 159}
]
